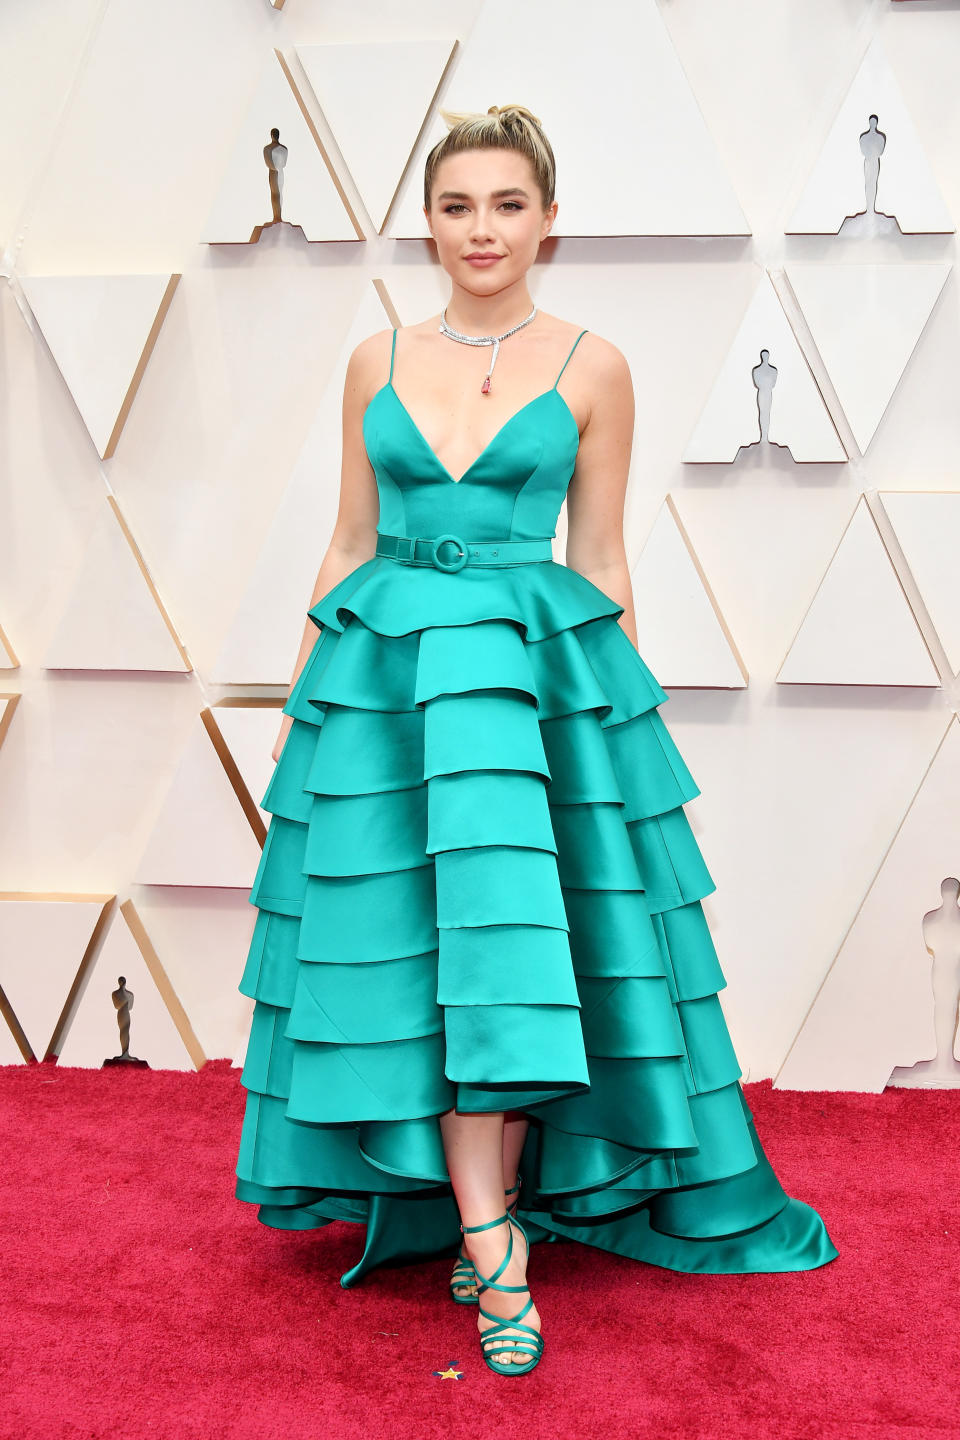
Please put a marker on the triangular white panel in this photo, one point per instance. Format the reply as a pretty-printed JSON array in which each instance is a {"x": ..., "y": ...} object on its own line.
[
  {"x": 201, "y": 836},
  {"x": 884, "y": 173},
  {"x": 114, "y": 618},
  {"x": 859, "y": 629},
  {"x": 798, "y": 418},
  {"x": 262, "y": 644},
  {"x": 54, "y": 933},
  {"x": 680, "y": 631},
  {"x": 250, "y": 732},
  {"x": 101, "y": 330},
  {"x": 874, "y": 1010},
  {"x": 404, "y": 76},
  {"x": 92, "y": 1032},
  {"x": 866, "y": 321},
  {"x": 308, "y": 197},
  {"x": 611, "y": 94},
  {"x": 927, "y": 525}
]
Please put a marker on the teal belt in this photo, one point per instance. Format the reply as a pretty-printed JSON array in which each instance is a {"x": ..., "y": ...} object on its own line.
[{"x": 458, "y": 552}]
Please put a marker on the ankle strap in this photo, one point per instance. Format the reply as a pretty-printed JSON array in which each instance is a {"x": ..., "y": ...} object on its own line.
[
  {"x": 470, "y": 1229},
  {"x": 490, "y": 1282}
]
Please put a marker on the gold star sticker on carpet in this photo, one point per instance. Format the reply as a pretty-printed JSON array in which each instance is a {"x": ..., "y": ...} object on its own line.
[{"x": 451, "y": 1372}]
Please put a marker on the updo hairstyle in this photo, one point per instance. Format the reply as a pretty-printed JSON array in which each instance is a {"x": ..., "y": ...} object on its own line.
[{"x": 504, "y": 127}]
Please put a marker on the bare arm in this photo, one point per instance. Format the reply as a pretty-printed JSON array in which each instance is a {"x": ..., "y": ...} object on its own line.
[
  {"x": 354, "y": 537},
  {"x": 596, "y": 495}
]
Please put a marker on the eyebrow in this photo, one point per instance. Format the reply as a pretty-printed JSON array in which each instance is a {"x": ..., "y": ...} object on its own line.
[{"x": 495, "y": 194}]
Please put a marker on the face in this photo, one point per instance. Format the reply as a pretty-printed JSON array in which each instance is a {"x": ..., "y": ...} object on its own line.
[{"x": 488, "y": 202}]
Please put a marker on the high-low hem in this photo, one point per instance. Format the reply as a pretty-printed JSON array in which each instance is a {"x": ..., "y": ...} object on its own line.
[{"x": 480, "y": 890}]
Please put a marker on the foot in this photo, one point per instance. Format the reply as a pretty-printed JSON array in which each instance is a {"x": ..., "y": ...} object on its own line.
[
  {"x": 469, "y": 1288},
  {"x": 486, "y": 1249}
]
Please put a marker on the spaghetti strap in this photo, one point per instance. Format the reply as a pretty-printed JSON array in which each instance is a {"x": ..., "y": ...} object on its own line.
[
  {"x": 393, "y": 348},
  {"x": 567, "y": 361}
]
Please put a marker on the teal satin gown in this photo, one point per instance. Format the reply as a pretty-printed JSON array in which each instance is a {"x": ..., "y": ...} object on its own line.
[{"x": 479, "y": 889}]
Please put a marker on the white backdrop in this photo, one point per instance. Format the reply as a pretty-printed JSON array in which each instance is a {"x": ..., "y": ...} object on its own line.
[{"x": 119, "y": 132}]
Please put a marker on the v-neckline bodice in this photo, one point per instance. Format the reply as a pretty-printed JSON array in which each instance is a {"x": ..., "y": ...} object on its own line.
[{"x": 489, "y": 446}]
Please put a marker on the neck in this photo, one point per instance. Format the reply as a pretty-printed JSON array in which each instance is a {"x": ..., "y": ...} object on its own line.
[{"x": 488, "y": 314}]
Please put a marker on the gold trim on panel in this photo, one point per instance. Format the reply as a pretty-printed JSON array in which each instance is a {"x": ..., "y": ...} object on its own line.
[
  {"x": 7, "y": 711},
  {"x": 162, "y": 981},
  {"x": 5, "y": 645},
  {"x": 308, "y": 118},
  {"x": 138, "y": 556},
  {"x": 246, "y": 801},
  {"x": 142, "y": 363}
]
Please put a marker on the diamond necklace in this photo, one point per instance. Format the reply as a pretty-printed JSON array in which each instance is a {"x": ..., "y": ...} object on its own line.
[{"x": 493, "y": 340}]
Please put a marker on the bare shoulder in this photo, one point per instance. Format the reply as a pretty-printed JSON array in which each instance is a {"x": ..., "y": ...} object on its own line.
[
  {"x": 598, "y": 385},
  {"x": 606, "y": 364},
  {"x": 599, "y": 364},
  {"x": 369, "y": 364}
]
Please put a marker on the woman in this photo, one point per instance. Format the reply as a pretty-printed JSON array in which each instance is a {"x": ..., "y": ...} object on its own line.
[{"x": 480, "y": 947}]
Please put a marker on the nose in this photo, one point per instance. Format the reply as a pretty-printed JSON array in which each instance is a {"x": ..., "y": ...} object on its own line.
[{"x": 481, "y": 230}]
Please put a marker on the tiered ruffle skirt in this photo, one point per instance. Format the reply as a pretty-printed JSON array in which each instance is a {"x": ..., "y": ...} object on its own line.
[{"x": 480, "y": 889}]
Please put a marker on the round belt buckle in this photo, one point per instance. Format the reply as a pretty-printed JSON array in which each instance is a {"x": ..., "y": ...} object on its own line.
[{"x": 453, "y": 565}]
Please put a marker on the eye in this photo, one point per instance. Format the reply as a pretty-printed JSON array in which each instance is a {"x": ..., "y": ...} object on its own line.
[{"x": 456, "y": 205}]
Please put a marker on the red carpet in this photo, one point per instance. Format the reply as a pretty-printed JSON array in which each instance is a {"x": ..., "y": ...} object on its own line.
[{"x": 142, "y": 1298}]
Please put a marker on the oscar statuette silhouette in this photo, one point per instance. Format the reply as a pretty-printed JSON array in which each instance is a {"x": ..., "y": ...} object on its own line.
[{"x": 123, "y": 1004}]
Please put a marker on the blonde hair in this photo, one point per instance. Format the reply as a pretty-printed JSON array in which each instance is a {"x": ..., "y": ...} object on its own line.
[{"x": 504, "y": 127}]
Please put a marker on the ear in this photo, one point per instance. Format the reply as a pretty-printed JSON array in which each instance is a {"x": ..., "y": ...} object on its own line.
[{"x": 426, "y": 216}]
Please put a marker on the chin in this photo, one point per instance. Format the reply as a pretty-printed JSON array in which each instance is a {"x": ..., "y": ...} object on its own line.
[{"x": 502, "y": 276}]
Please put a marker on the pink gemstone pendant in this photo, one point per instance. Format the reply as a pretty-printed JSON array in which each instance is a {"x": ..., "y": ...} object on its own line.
[{"x": 485, "y": 387}]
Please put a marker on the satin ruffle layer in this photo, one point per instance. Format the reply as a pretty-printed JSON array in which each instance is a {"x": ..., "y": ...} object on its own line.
[{"x": 479, "y": 888}]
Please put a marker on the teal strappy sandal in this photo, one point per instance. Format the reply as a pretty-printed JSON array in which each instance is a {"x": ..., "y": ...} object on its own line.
[
  {"x": 496, "y": 1339},
  {"x": 463, "y": 1272}
]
